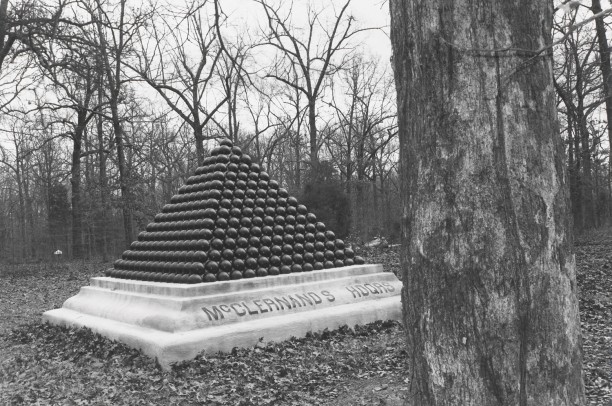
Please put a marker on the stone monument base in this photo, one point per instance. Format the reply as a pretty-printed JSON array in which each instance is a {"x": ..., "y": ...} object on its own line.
[{"x": 174, "y": 322}]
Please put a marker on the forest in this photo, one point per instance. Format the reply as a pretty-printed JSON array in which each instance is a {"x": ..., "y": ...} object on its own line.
[{"x": 108, "y": 106}]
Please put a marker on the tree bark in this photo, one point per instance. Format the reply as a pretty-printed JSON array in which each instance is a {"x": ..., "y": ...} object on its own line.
[
  {"x": 606, "y": 73},
  {"x": 488, "y": 269}
]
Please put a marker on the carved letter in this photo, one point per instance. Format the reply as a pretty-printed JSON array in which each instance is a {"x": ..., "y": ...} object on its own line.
[
  {"x": 328, "y": 295},
  {"x": 215, "y": 313},
  {"x": 354, "y": 291},
  {"x": 233, "y": 306}
]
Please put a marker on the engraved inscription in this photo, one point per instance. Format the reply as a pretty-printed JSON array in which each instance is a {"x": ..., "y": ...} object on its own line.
[{"x": 267, "y": 304}]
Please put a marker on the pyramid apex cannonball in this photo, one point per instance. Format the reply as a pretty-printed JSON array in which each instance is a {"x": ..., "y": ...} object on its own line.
[{"x": 226, "y": 142}]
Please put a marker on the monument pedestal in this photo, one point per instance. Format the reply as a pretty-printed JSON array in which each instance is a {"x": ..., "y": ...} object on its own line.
[{"x": 174, "y": 322}]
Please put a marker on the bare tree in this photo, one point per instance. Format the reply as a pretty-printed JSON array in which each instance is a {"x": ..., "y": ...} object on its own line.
[
  {"x": 177, "y": 56},
  {"x": 315, "y": 56}
]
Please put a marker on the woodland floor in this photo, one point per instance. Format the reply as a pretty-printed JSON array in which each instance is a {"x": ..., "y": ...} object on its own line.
[{"x": 42, "y": 364}]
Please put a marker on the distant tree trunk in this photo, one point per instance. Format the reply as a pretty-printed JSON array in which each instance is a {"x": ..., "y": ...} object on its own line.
[
  {"x": 488, "y": 267},
  {"x": 114, "y": 83},
  {"x": 312, "y": 131},
  {"x": 606, "y": 73},
  {"x": 75, "y": 182}
]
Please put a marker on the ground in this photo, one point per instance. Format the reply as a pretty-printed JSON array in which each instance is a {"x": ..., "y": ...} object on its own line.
[{"x": 42, "y": 364}]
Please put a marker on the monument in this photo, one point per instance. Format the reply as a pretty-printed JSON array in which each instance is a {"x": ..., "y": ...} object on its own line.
[{"x": 231, "y": 261}]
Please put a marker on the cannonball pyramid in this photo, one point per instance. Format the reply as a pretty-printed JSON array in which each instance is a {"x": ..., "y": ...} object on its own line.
[{"x": 231, "y": 221}]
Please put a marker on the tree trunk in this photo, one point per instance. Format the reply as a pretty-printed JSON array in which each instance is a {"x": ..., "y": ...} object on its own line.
[
  {"x": 75, "y": 182},
  {"x": 198, "y": 134},
  {"x": 606, "y": 73},
  {"x": 488, "y": 267},
  {"x": 312, "y": 130}
]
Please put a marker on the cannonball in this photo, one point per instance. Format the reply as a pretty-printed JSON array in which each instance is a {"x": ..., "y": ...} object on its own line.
[
  {"x": 259, "y": 202},
  {"x": 281, "y": 202},
  {"x": 318, "y": 255},
  {"x": 229, "y": 185},
  {"x": 320, "y": 237},
  {"x": 249, "y": 273},
  {"x": 265, "y": 240},
  {"x": 232, "y": 166},
  {"x": 253, "y": 251},
  {"x": 251, "y": 184},
  {"x": 285, "y": 269},
  {"x": 216, "y": 244},
  {"x": 228, "y": 254},
  {"x": 280, "y": 220},
  {"x": 223, "y": 213},
  {"x": 273, "y": 271},
  {"x": 267, "y": 230},
  {"x": 244, "y": 231},
  {"x": 270, "y": 211},
  {"x": 348, "y": 262},
  {"x": 194, "y": 279},
  {"x": 223, "y": 276},
  {"x": 214, "y": 255},
  {"x": 328, "y": 264},
  {"x": 288, "y": 238},
  {"x": 277, "y": 239},
  {"x": 231, "y": 175},
  {"x": 248, "y": 202},
  {"x": 263, "y": 262},
  {"x": 240, "y": 253},
  {"x": 250, "y": 263},
  {"x": 308, "y": 257},
  {"x": 287, "y": 259},
  {"x": 299, "y": 248},
  {"x": 273, "y": 184},
  {"x": 221, "y": 223},
  {"x": 318, "y": 265},
  {"x": 206, "y": 234},
  {"x": 239, "y": 264},
  {"x": 264, "y": 251},
  {"x": 212, "y": 266},
  {"x": 261, "y": 272},
  {"x": 220, "y": 167},
  {"x": 311, "y": 228},
  {"x": 242, "y": 242},
  {"x": 224, "y": 150},
  {"x": 254, "y": 241},
  {"x": 297, "y": 258},
  {"x": 359, "y": 260},
  {"x": 235, "y": 275},
  {"x": 210, "y": 277},
  {"x": 329, "y": 245},
  {"x": 236, "y": 151},
  {"x": 349, "y": 253},
  {"x": 247, "y": 212},
  {"x": 233, "y": 222},
  {"x": 231, "y": 232},
  {"x": 329, "y": 255},
  {"x": 234, "y": 159},
  {"x": 276, "y": 250},
  {"x": 245, "y": 158},
  {"x": 226, "y": 142},
  {"x": 240, "y": 185},
  {"x": 306, "y": 267},
  {"x": 275, "y": 260},
  {"x": 287, "y": 248},
  {"x": 261, "y": 193},
  {"x": 296, "y": 268}
]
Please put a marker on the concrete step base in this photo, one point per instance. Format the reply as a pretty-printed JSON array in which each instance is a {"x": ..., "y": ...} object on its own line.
[{"x": 175, "y": 322}]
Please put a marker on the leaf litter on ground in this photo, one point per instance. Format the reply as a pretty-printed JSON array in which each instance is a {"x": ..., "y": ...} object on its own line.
[{"x": 367, "y": 365}]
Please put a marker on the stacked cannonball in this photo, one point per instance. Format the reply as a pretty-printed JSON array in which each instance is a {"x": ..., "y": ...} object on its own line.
[{"x": 231, "y": 221}]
